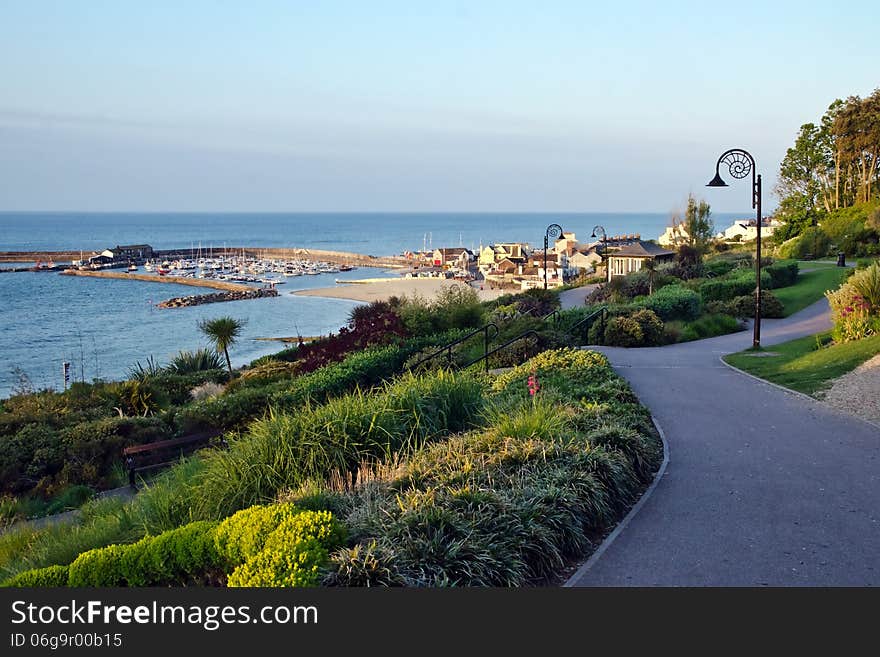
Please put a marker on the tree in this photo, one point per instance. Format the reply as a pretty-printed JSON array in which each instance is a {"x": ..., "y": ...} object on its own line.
[
  {"x": 698, "y": 223},
  {"x": 856, "y": 128},
  {"x": 806, "y": 172},
  {"x": 222, "y": 332}
]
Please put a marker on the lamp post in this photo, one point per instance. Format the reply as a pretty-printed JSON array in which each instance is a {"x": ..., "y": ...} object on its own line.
[
  {"x": 601, "y": 229},
  {"x": 740, "y": 164},
  {"x": 554, "y": 231}
]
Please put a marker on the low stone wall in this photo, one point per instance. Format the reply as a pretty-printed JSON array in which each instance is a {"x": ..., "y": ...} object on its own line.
[{"x": 200, "y": 299}]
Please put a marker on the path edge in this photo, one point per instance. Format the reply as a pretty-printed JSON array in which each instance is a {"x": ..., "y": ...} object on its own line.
[
  {"x": 571, "y": 582},
  {"x": 798, "y": 393}
]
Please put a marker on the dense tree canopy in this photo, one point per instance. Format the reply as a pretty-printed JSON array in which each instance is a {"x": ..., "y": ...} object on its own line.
[{"x": 833, "y": 165}]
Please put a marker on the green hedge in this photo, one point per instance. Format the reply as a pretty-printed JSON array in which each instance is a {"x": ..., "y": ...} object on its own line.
[
  {"x": 51, "y": 576},
  {"x": 744, "y": 306},
  {"x": 674, "y": 302},
  {"x": 781, "y": 274},
  {"x": 176, "y": 557}
]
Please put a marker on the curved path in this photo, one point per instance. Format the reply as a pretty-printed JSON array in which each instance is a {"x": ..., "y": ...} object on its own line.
[{"x": 763, "y": 487}]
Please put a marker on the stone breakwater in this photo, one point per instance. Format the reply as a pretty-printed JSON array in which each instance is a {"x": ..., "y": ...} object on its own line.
[{"x": 201, "y": 299}]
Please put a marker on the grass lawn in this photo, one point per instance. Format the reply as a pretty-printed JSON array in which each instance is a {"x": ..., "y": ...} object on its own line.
[
  {"x": 810, "y": 287},
  {"x": 807, "y": 364}
]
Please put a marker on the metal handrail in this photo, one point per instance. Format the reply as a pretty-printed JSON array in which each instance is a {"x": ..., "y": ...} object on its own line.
[
  {"x": 485, "y": 357},
  {"x": 557, "y": 317},
  {"x": 447, "y": 348},
  {"x": 590, "y": 318}
]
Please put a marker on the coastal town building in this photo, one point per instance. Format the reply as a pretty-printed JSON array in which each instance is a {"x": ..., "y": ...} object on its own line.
[
  {"x": 746, "y": 230},
  {"x": 495, "y": 253},
  {"x": 453, "y": 257},
  {"x": 674, "y": 235},
  {"x": 632, "y": 257}
]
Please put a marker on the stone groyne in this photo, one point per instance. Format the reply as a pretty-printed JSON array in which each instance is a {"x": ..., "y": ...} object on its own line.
[{"x": 216, "y": 297}]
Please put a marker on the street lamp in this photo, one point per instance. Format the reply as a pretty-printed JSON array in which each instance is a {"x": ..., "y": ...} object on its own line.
[
  {"x": 554, "y": 231},
  {"x": 601, "y": 229},
  {"x": 740, "y": 164}
]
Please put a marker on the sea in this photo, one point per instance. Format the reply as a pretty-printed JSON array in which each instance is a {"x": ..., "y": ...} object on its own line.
[{"x": 104, "y": 327}]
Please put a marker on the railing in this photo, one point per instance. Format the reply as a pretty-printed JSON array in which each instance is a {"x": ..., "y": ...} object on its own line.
[
  {"x": 557, "y": 317},
  {"x": 447, "y": 348},
  {"x": 485, "y": 357},
  {"x": 587, "y": 322}
]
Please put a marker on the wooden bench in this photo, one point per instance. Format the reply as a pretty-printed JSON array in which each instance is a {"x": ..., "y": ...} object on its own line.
[{"x": 139, "y": 458}]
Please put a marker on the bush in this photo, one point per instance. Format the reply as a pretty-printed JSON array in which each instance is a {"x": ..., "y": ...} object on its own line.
[
  {"x": 176, "y": 557},
  {"x": 708, "y": 326},
  {"x": 744, "y": 306},
  {"x": 200, "y": 360},
  {"x": 623, "y": 332},
  {"x": 651, "y": 325},
  {"x": 738, "y": 283},
  {"x": 178, "y": 387},
  {"x": 51, "y": 576},
  {"x": 98, "y": 567},
  {"x": 813, "y": 242},
  {"x": 782, "y": 274},
  {"x": 294, "y": 553},
  {"x": 855, "y": 305},
  {"x": 674, "y": 302},
  {"x": 243, "y": 535}
]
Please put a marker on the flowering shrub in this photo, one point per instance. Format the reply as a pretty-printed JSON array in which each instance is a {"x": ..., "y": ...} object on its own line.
[{"x": 855, "y": 305}]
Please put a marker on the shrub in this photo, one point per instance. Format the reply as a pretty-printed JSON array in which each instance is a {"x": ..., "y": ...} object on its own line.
[
  {"x": 708, "y": 326},
  {"x": 537, "y": 302},
  {"x": 294, "y": 553},
  {"x": 200, "y": 360},
  {"x": 744, "y": 306},
  {"x": 268, "y": 372},
  {"x": 177, "y": 387},
  {"x": 206, "y": 391},
  {"x": 623, "y": 332},
  {"x": 98, "y": 567},
  {"x": 812, "y": 242},
  {"x": 651, "y": 325},
  {"x": 179, "y": 556},
  {"x": 674, "y": 302},
  {"x": 782, "y": 274},
  {"x": 855, "y": 305},
  {"x": 243, "y": 535},
  {"x": 51, "y": 576}
]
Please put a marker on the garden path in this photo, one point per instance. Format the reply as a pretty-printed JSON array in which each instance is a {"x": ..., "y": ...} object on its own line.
[{"x": 763, "y": 486}]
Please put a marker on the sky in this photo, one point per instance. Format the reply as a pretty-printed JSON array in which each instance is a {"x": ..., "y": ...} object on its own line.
[{"x": 548, "y": 106}]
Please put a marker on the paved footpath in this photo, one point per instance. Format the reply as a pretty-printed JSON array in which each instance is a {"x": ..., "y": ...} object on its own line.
[{"x": 763, "y": 487}]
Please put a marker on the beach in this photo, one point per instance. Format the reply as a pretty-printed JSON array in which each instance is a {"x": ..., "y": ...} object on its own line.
[{"x": 384, "y": 288}]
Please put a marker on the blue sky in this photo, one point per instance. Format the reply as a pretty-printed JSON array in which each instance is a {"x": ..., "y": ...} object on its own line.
[{"x": 432, "y": 106}]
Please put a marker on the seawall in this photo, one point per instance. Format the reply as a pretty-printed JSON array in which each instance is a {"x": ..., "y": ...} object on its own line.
[{"x": 179, "y": 280}]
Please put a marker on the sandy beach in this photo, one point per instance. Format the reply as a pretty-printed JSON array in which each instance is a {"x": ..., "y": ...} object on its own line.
[{"x": 381, "y": 289}]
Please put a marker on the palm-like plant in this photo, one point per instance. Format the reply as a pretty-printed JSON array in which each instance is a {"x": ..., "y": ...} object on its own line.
[{"x": 222, "y": 332}]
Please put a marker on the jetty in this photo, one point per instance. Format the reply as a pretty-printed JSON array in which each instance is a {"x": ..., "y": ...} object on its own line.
[{"x": 179, "y": 280}]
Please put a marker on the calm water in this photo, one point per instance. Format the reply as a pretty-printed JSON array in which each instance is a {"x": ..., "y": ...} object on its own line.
[{"x": 102, "y": 327}]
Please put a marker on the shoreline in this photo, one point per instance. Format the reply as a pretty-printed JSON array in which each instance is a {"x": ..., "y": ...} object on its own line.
[{"x": 370, "y": 290}]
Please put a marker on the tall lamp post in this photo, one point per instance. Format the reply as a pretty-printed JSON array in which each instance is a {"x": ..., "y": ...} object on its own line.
[
  {"x": 554, "y": 231},
  {"x": 740, "y": 164},
  {"x": 601, "y": 229}
]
